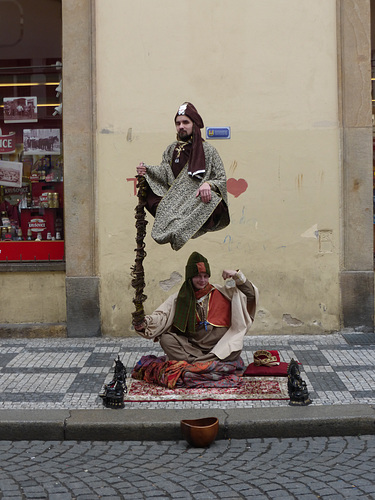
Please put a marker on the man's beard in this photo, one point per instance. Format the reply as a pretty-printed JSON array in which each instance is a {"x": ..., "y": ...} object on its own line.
[{"x": 184, "y": 137}]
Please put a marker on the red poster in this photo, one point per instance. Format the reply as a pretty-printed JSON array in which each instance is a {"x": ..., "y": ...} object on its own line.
[{"x": 7, "y": 143}]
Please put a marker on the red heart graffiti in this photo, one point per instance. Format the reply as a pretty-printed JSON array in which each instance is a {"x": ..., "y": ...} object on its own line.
[{"x": 236, "y": 187}]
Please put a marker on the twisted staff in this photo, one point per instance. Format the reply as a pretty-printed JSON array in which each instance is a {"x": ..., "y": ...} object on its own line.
[{"x": 137, "y": 270}]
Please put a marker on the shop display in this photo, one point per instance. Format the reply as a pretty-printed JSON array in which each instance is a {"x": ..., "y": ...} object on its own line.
[
  {"x": 34, "y": 211},
  {"x": 373, "y": 138},
  {"x": 31, "y": 162}
]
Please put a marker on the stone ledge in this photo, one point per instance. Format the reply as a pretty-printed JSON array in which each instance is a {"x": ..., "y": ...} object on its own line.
[
  {"x": 164, "y": 425},
  {"x": 33, "y": 330}
]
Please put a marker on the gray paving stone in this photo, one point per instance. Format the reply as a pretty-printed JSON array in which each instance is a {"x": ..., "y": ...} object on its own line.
[
  {"x": 267, "y": 477},
  {"x": 60, "y": 496},
  {"x": 69, "y": 373}
]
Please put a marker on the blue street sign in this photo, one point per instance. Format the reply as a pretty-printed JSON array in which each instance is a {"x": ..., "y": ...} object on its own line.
[{"x": 217, "y": 132}]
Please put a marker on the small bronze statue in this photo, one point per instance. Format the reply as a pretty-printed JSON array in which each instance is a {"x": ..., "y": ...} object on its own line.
[
  {"x": 297, "y": 388},
  {"x": 113, "y": 393}
]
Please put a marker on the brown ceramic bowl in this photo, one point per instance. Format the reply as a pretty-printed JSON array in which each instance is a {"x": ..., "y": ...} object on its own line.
[{"x": 200, "y": 432}]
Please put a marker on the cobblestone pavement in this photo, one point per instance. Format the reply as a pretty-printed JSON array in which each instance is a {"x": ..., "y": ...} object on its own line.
[
  {"x": 69, "y": 373},
  {"x": 325, "y": 468}
]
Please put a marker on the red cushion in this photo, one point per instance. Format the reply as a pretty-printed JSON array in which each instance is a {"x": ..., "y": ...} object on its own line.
[
  {"x": 266, "y": 371},
  {"x": 265, "y": 357}
]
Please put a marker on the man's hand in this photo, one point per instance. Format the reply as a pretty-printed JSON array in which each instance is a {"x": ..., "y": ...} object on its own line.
[
  {"x": 228, "y": 273},
  {"x": 141, "y": 169},
  {"x": 141, "y": 327},
  {"x": 204, "y": 192}
]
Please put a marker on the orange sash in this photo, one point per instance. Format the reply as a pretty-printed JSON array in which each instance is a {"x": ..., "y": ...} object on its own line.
[{"x": 219, "y": 310}]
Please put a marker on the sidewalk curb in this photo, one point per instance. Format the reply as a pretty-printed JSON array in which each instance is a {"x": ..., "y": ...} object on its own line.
[{"x": 164, "y": 425}]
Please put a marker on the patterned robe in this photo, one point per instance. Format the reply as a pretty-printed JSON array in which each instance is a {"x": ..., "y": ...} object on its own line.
[
  {"x": 231, "y": 339},
  {"x": 181, "y": 215}
]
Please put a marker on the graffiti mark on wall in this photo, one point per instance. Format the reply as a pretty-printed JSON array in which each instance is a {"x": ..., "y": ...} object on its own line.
[
  {"x": 228, "y": 241},
  {"x": 233, "y": 167},
  {"x": 134, "y": 180},
  {"x": 236, "y": 186},
  {"x": 245, "y": 220}
]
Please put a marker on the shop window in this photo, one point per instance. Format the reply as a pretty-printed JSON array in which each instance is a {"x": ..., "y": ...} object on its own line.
[
  {"x": 31, "y": 154},
  {"x": 373, "y": 133}
]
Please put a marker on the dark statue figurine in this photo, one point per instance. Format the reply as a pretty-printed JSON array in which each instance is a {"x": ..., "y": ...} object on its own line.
[
  {"x": 113, "y": 393},
  {"x": 297, "y": 388}
]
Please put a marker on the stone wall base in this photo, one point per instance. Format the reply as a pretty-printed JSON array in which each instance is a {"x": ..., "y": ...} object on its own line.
[
  {"x": 32, "y": 330},
  {"x": 357, "y": 295},
  {"x": 82, "y": 307}
]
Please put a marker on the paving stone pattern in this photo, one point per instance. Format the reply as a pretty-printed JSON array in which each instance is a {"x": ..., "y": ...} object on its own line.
[
  {"x": 331, "y": 468},
  {"x": 69, "y": 373}
]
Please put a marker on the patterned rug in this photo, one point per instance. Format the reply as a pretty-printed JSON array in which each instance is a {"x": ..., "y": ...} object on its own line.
[{"x": 251, "y": 388}]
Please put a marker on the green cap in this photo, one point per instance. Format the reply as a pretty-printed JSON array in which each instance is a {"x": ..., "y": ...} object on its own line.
[{"x": 195, "y": 265}]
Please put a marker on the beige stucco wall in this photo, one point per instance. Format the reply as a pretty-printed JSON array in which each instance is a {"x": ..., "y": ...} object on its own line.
[
  {"x": 32, "y": 297},
  {"x": 269, "y": 71}
]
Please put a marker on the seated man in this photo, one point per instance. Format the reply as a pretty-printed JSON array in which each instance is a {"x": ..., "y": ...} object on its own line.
[
  {"x": 203, "y": 322},
  {"x": 187, "y": 192}
]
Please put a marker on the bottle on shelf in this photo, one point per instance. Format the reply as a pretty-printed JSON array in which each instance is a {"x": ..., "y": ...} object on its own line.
[
  {"x": 13, "y": 232},
  {"x": 4, "y": 219},
  {"x": 49, "y": 200},
  {"x": 8, "y": 234},
  {"x": 55, "y": 202}
]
